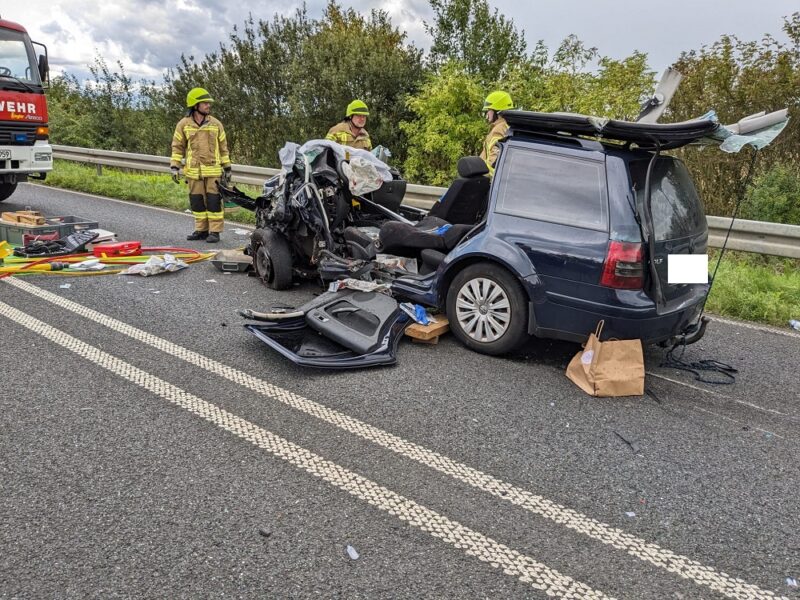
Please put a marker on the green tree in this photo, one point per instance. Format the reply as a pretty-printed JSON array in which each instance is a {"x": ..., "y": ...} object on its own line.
[
  {"x": 350, "y": 56},
  {"x": 447, "y": 124},
  {"x": 483, "y": 41},
  {"x": 737, "y": 78}
]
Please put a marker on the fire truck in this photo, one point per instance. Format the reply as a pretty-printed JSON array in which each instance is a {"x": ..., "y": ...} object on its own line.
[{"x": 25, "y": 149}]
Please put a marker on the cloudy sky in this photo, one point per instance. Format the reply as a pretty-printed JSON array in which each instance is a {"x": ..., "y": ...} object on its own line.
[{"x": 148, "y": 36}]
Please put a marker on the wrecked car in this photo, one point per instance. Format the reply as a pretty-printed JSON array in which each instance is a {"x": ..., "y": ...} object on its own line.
[{"x": 576, "y": 226}]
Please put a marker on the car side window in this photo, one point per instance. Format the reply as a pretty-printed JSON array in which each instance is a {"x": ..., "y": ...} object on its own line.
[{"x": 553, "y": 188}]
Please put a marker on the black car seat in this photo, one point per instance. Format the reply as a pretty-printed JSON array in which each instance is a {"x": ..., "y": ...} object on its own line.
[
  {"x": 460, "y": 208},
  {"x": 465, "y": 200}
]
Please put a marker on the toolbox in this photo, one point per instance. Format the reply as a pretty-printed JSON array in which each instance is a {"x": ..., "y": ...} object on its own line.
[
  {"x": 234, "y": 261},
  {"x": 113, "y": 249},
  {"x": 62, "y": 226}
]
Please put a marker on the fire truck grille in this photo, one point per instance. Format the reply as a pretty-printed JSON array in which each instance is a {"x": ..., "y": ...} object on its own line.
[{"x": 17, "y": 134}]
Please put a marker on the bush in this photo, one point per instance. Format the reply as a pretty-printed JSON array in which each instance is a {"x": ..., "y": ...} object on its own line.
[{"x": 774, "y": 198}]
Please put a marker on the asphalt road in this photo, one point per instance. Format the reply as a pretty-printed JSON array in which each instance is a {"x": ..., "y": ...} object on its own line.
[{"x": 151, "y": 447}]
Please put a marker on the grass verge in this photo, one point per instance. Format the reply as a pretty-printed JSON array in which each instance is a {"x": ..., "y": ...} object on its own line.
[
  {"x": 751, "y": 287},
  {"x": 154, "y": 189}
]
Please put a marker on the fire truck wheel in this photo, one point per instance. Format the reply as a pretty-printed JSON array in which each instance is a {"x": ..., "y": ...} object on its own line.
[{"x": 6, "y": 189}]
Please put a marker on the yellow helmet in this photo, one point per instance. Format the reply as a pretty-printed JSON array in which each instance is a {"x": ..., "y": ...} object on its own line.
[
  {"x": 357, "y": 107},
  {"x": 498, "y": 101},
  {"x": 197, "y": 95}
]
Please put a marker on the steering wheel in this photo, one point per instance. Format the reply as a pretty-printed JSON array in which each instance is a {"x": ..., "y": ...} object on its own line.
[{"x": 5, "y": 71}]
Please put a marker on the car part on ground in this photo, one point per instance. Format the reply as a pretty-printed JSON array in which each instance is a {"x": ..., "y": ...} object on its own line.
[{"x": 339, "y": 330}]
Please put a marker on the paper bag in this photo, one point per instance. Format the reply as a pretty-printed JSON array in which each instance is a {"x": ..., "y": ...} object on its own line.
[{"x": 610, "y": 368}]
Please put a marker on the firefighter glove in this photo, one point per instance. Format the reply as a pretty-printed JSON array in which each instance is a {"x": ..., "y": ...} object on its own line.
[
  {"x": 176, "y": 175},
  {"x": 226, "y": 176}
]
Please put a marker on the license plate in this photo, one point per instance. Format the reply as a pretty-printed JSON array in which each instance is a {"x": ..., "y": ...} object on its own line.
[{"x": 5, "y": 154}]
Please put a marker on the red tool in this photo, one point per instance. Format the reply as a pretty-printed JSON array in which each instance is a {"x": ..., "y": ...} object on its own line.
[{"x": 117, "y": 249}]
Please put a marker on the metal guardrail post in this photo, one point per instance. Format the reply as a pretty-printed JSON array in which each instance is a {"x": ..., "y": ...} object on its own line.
[{"x": 748, "y": 236}]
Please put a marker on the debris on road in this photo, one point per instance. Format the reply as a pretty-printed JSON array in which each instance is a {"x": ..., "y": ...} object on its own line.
[
  {"x": 794, "y": 324},
  {"x": 156, "y": 265},
  {"x": 791, "y": 582},
  {"x": 631, "y": 444},
  {"x": 351, "y": 552},
  {"x": 630, "y": 514},
  {"x": 232, "y": 261},
  {"x": 65, "y": 286}
]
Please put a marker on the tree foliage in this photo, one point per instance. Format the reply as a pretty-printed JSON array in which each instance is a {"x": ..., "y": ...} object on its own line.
[
  {"x": 737, "y": 78},
  {"x": 447, "y": 122},
  {"x": 467, "y": 31}
]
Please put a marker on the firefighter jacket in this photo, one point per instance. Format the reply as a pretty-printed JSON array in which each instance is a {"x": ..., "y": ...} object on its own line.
[
  {"x": 342, "y": 134},
  {"x": 491, "y": 149},
  {"x": 204, "y": 146}
]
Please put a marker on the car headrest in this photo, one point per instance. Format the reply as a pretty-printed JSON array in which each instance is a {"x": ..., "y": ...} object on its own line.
[{"x": 472, "y": 166}]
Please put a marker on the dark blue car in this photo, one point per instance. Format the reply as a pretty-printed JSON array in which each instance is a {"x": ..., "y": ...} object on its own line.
[{"x": 569, "y": 238}]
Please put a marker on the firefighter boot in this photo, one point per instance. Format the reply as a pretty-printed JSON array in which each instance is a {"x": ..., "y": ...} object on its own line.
[
  {"x": 212, "y": 238},
  {"x": 198, "y": 235}
]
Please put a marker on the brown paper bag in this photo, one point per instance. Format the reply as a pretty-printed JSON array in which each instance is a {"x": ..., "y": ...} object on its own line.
[{"x": 610, "y": 368}]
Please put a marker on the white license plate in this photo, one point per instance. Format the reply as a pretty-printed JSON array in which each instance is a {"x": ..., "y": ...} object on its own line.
[{"x": 5, "y": 154}]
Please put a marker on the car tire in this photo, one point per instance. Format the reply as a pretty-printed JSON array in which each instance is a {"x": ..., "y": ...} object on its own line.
[
  {"x": 272, "y": 258},
  {"x": 6, "y": 189},
  {"x": 490, "y": 327}
]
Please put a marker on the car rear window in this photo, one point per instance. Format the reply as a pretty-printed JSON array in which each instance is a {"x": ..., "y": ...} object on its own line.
[
  {"x": 554, "y": 188},
  {"x": 677, "y": 209}
]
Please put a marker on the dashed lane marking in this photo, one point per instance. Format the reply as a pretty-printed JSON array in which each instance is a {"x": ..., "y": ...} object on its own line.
[
  {"x": 654, "y": 554},
  {"x": 473, "y": 543}
]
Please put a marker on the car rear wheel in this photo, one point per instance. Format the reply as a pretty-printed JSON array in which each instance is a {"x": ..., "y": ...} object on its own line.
[
  {"x": 272, "y": 258},
  {"x": 6, "y": 189},
  {"x": 487, "y": 309}
]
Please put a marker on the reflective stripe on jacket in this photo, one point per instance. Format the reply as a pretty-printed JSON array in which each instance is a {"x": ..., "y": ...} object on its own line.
[
  {"x": 204, "y": 146},
  {"x": 491, "y": 149},
  {"x": 342, "y": 134}
]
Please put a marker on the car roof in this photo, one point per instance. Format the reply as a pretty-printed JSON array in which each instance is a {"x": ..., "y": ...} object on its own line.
[{"x": 567, "y": 141}]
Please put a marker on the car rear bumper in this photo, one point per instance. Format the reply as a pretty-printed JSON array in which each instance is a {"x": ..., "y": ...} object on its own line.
[{"x": 573, "y": 320}]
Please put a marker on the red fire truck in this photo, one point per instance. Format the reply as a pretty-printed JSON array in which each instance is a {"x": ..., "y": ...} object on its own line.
[{"x": 24, "y": 146}]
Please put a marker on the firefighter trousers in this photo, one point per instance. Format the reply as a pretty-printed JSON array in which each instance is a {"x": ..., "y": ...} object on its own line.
[{"x": 206, "y": 204}]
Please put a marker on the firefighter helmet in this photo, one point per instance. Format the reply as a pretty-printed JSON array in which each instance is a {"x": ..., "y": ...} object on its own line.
[
  {"x": 497, "y": 101},
  {"x": 197, "y": 95},
  {"x": 357, "y": 107}
]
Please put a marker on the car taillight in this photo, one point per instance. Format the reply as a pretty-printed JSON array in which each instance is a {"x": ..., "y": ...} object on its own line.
[
  {"x": 42, "y": 133},
  {"x": 623, "y": 268}
]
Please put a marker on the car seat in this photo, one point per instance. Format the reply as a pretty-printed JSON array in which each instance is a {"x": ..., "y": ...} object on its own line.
[{"x": 457, "y": 211}]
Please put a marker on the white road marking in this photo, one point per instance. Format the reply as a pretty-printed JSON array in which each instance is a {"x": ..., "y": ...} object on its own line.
[
  {"x": 684, "y": 384},
  {"x": 616, "y": 538},
  {"x": 711, "y": 412},
  {"x": 473, "y": 543},
  {"x": 756, "y": 327}
]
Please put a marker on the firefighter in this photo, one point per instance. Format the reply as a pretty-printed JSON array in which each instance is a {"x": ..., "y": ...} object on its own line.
[
  {"x": 200, "y": 139},
  {"x": 494, "y": 103},
  {"x": 351, "y": 132}
]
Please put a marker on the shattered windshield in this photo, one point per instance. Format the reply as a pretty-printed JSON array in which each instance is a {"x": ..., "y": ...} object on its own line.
[
  {"x": 17, "y": 60},
  {"x": 677, "y": 209}
]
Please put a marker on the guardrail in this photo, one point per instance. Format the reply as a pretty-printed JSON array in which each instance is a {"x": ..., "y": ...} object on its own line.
[{"x": 748, "y": 236}]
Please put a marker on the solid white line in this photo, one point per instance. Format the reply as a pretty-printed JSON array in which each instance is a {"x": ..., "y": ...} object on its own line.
[
  {"x": 538, "y": 505},
  {"x": 711, "y": 412},
  {"x": 756, "y": 327},
  {"x": 473, "y": 543},
  {"x": 684, "y": 384}
]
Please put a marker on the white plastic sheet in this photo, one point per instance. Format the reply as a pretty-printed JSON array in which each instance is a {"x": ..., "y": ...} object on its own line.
[{"x": 156, "y": 265}]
